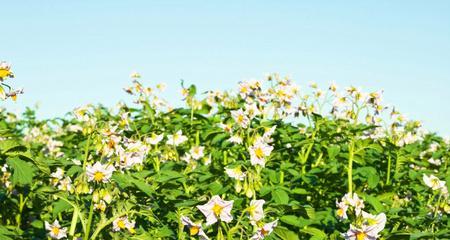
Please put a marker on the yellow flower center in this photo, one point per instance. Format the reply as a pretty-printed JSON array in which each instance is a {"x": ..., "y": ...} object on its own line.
[
  {"x": 217, "y": 209},
  {"x": 4, "y": 73},
  {"x": 244, "y": 90},
  {"x": 259, "y": 152},
  {"x": 251, "y": 210},
  {"x": 194, "y": 230},
  {"x": 111, "y": 144},
  {"x": 361, "y": 236},
  {"x": 240, "y": 119},
  {"x": 435, "y": 182},
  {"x": 55, "y": 231},
  {"x": 121, "y": 224},
  {"x": 340, "y": 212},
  {"x": 264, "y": 232},
  {"x": 98, "y": 176}
]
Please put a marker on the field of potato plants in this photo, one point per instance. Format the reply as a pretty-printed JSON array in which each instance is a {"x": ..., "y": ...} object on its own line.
[{"x": 266, "y": 160}]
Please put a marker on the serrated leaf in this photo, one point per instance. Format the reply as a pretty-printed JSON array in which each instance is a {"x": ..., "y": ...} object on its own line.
[{"x": 23, "y": 171}]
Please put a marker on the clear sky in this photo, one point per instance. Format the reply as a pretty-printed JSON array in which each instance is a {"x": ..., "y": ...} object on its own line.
[{"x": 69, "y": 53}]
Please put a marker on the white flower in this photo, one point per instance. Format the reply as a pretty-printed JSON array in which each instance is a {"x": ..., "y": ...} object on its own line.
[
  {"x": 55, "y": 230},
  {"x": 244, "y": 89},
  {"x": 228, "y": 128},
  {"x": 186, "y": 157},
  {"x": 355, "y": 233},
  {"x": 154, "y": 139},
  {"x": 235, "y": 139},
  {"x": 207, "y": 160},
  {"x": 341, "y": 212},
  {"x": 5, "y": 167},
  {"x": 101, "y": 205},
  {"x": 123, "y": 223},
  {"x": 354, "y": 201},
  {"x": 369, "y": 230},
  {"x": 376, "y": 223},
  {"x": 217, "y": 209},
  {"x": 99, "y": 172},
  {"x": 197, "y": 152},
  {"x": 265, "y": 230},
  {"x": 194, "y": 228},
  {"x": 433, "y": 182},
  {"x": 436, "y": 162},
  {"x": 76, "y": 162},
  {"x": 258, "y": 152},
  {"x": 433, "y": 147},
  {"x": 409, "y": 138},
  {"x": 74, "y": 128},
  {"x": 235, "y": 173},
  {"x": 135, "y": 154},
  {"x": 255, "y": 210},
  {"x": 267, "y": 137},
  {"x": 81, "y": 113},
  {"x": 240, "y": 118},
  {"x": 59, "y": 174},
  {"x": 176, "y": 139},
  {"x": 65, "y": 184},
  {"x": 135, "y": 75},
  {"x": 252, "y": 110}
]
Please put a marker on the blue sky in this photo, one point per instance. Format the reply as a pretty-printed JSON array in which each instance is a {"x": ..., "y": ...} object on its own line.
[{"x": 69, "y": 53}]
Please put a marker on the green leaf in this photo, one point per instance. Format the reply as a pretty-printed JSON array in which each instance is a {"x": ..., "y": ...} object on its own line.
[
  {"x": 7, "y": 146},
  {"x": 333, "y": 151},
  {"x": 122, "y": 180},
  {"x": 280, "y": 196},
  {"x": 372, "y": 180},
  {"x": 290, "y": 219},
  {"x": 316, "y": 233},
  {"x": 60, "y": 206},
  {"x": 215, "y": 187},
  {"x": 300, "y": 191},
  {"x": 376, "y": 204},
  {"x": 284, "y": 233},
  {"x": 144, "y": 187},
  {"x": 310, "y": 211},
  {"x": 23, "y": 172}
]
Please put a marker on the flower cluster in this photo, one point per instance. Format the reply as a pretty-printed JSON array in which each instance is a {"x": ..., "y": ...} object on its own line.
[
  {"x": 217, "y": 209},
  {"x": 364, "y": 226}
]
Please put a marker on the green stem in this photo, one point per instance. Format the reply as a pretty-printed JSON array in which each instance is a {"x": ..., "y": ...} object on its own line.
[
  {"x": 388, "y": 178},
  {"x": 350, "y": 167},
  {"x": 86, "y": 151},
  {"x": 88, "y": 225},
  {"x": 236, "y": 227},
  {"x": 73, "y": 224},
  {"x": 21, "y": 205},
  {"x": 104, "y": 224}
]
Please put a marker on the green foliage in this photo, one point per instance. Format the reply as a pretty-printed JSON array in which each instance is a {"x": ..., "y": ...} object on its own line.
[{"x": 307, "y": 162}]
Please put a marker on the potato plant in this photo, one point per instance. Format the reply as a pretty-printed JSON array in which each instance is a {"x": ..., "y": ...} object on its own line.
[{"x": 269, "y": 160}]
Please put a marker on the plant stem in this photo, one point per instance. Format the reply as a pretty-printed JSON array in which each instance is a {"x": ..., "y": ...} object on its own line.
[
  {"x": 388, "y": 178},
  {"x": 21, "y": 205},
  {"x": 73, "y": 224},
  {"x": 86, "y": 151},
  {"x": 88, "y": 225},
  {"x": 104, "y": 224},
  {"x": 350, "y": 167}
]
